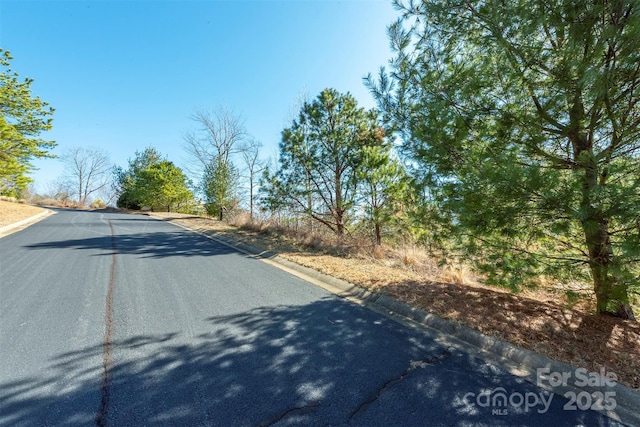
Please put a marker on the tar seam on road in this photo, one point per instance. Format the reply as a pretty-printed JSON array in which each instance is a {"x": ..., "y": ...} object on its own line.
[
  {"x": 101, "y": 416},
  {"x": 412, "y": 367},
  {"x": 298, "y": 410}
]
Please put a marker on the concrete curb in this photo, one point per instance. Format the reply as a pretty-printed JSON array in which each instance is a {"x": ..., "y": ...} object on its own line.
[
  {"x": 11, "y": 228},
  {"x": 533, "y": 367}
]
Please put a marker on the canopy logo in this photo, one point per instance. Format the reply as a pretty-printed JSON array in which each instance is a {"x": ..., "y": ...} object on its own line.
[{"x": 500, "y": 403}]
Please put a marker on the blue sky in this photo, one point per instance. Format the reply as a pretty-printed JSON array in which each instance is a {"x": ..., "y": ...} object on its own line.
[{"x": 124, "y": 75}]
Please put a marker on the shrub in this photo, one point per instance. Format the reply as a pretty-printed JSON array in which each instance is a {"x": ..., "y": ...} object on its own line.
[{"x": 98, "y": 204}]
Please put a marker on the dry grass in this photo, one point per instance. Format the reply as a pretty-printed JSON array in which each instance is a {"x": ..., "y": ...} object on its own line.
[
  {"x": 57, "y": 203},
  {"x": 12, "y": 212},
  {"x": 542, "y": 320}
]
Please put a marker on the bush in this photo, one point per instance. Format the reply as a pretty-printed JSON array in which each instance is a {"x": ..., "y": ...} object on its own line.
[
  {"x": 48, "y": 202},
  {"x": 98, "y": 204}
]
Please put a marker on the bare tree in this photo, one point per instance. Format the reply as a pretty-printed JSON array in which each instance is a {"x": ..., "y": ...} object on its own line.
[
  {"x": 250, "y": 150},
  {"x": 89, "y": 169},
  {"x": 61, "y": 189},
  {"x": 210, "y": 147},
  {"x": 220, "y": 131}
]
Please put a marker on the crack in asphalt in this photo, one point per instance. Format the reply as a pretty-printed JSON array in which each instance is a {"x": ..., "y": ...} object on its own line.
[
  {"x": 413, "y": 365},
  {"x": 298, "y": 410},
  {"x": 107, "y": 345}
]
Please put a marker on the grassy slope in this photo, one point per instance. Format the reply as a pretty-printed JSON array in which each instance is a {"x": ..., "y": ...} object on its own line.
[{"x": 13, "y": 212}]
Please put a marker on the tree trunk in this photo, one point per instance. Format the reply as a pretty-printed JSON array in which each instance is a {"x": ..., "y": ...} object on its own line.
[
  {"x": 339, "y": 211},
  {"x": 251, "y": 199},
  {"x": 339, "y": 218},
  {"x": 378, "y": 234},
  {"x": 612, "y": 297},
  {"x": 220, "y": 214},
  {"x": 340, "y": 228}
]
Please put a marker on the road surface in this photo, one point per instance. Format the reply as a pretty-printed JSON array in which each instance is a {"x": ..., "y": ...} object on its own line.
[{"x": 109, "y": 319}]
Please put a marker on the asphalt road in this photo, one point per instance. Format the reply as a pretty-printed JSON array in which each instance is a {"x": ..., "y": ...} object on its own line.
[{"x": 119, "y": 320}]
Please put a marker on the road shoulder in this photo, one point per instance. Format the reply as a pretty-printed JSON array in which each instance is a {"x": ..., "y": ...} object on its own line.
[{"x": 22, "y": 224}]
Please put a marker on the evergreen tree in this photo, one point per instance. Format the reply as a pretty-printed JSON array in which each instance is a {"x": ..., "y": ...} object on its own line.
[
  {"x": 219, "y": 184},
  {"x": 161, "y": 185},
  {"x": 124, "y": 181},
  {"x": 384, "y": 187},
  {"x": 319, "y": 158},
  {"x": 151, "y": 181},
  {"x": 523, "y": 117},
  {"x": 22, "y": 119}
]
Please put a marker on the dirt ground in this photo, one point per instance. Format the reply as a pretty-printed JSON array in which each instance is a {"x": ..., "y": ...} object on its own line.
[
  {"x": 537, "y": 320},
  {"x": 13, "y": 212}
]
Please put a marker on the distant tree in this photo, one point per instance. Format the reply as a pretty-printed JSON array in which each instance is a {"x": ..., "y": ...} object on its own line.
[
  {"x": 151, "y": 181},
  {"x": 384, "y": 186},
  {"x": 319, "y": 158},
  {"x": 524, "y": 120},
  {"x": 211, "y": 148},
  {"x": 218, "y": 136},
  {"x": 124, "y": 181},
  {"x": 162, "y": 185},
  {"x": 88, "y": 169},
  {"x": 219, "y": 182},
  {"x": 28, "y": 193},
  {"x": 144, "y": 159},
  {"x": 22, "y": 119},
  {"x": 61, "y": 189},
  {"x": 250, "y": 150}
]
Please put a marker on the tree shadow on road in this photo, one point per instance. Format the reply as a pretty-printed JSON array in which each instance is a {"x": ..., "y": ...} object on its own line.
[
  {"x": 134, "y": 234},
  {"x": 149, "y": 245},
  {"x": 328, "y": 362}
]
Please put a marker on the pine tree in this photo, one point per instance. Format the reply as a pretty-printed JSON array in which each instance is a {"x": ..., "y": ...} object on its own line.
[
  {"x": 524, "y": 120},
  {"x": 22, "y": 119},
  {"x": 219, "y": 184},
  {"x": 319, "y": 158}
]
